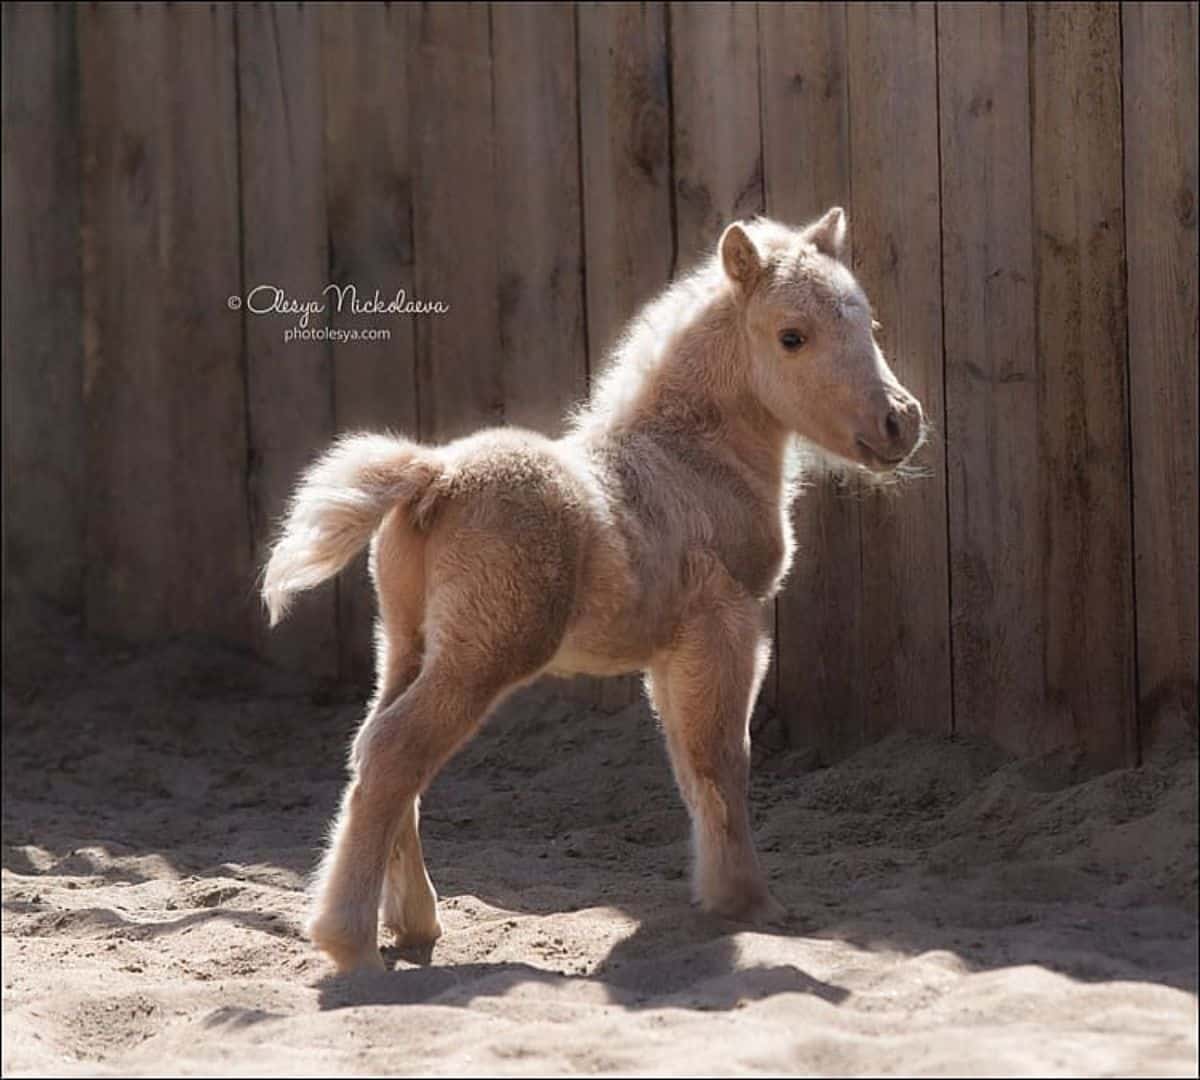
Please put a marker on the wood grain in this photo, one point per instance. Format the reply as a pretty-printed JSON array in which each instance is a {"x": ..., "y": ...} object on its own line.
[
  {"x": 542, "y": 347},
  {"x": 368, "y": 167},
  {"x": 168, "y": 539},
  {"x": 992, "y": 399},
  {"x": 460, "y": 383},
  {"x": 42, "y": 311},
  {"x": 806, "y": 153},
  {"x": 288, "y": 383},
  {"x": 625, "y": 142},
  {"x": 716, "y": 140},
  {"x": 894, "y": 180},
  {"x": 1084, "y": 517},
  {"x": 715, "y": 123},
  {"x": 1160, "y": 228},
  {"x": 625, "y": 135}
]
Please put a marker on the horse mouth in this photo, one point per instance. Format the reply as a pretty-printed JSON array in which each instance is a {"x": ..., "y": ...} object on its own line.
[{"x": 874, "y": 460}]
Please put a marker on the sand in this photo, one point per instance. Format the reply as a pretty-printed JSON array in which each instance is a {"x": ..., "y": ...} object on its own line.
[{"x": 954, "y": 911}]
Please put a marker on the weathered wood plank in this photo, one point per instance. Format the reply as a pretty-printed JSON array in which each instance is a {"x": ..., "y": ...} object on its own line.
[
  {"x": 42, "y": 312},
  {"x": 1084, "y": 518},
  {"x": 168, "y": 540},
  {"x": 805, "y": 111},
  {"x": 625, "y": 141},
  {"x": 992, "y": 401},
  {"x": 716, "y": 138},
  {"x": 715, "y": 122},
  {"x": 1160, "y": 229},
  {"x": 460, "y": 384},
  {"x": 365, "y": 52},
  {"x": 536, "y": 132},
  {"x": 806, "y": 149},
  {"x": 894, "y": 179},
  {"x": 288, "y": 383}
]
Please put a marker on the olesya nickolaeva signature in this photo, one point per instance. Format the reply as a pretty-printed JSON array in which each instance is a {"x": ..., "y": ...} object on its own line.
[{"x": 343, "y": 299}]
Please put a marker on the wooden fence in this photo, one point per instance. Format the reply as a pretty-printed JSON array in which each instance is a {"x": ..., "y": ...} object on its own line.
[{"x": 1021, "y": 183}]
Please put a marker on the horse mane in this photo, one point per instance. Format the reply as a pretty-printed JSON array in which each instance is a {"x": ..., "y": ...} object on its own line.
[{"x": 646, "y": 343}]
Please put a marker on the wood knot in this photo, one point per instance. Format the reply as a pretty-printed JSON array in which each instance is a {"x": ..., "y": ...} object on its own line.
[
  {"x": 981, "y": 105},
  {"x": 1185, "y": 207}
]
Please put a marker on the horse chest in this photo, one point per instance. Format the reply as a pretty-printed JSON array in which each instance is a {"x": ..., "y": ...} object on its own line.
[{"x": 757, "y": 554}]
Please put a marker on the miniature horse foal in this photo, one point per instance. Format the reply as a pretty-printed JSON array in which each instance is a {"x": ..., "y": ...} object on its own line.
[{"x": 647, "y": 539}]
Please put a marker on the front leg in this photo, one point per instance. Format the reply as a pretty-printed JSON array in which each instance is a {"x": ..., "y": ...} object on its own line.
[{"x": 703, "y": 690}]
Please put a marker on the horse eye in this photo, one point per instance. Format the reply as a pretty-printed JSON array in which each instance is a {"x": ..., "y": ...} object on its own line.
[{"x": 792, "y": 340}]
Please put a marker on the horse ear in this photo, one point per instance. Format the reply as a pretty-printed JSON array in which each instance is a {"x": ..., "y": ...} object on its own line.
[
  {"x": 740, "y": 257},
  {"x": 828, "y": 233}
]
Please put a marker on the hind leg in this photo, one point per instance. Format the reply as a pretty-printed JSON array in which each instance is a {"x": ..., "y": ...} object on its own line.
[
  {"x": 487, "y": 631},
  {"x": 399, "y": 750},
  {"x": 703, "y": 690},
  {"x": 409, "y": 901},
  {"x": 397, "y": 568},
  {"x": 409, "y": 904}
]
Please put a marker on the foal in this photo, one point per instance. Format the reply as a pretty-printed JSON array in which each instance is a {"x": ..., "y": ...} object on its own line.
[{"x": 648, "y": 539}]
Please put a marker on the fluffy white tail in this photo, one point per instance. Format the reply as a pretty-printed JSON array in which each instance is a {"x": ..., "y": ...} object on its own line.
[{"x": 337, "y": 505}]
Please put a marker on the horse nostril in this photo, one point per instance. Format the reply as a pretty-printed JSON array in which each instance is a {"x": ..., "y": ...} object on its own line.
[{"x": 892, "y": 425}]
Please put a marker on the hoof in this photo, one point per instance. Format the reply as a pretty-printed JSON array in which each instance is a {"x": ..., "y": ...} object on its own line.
[
  {"x": 348, "y": 954},
  {"x": 416, "y": 936},
  {"x": 757, "y": 909},
  {"x": 766, "y": 912}
]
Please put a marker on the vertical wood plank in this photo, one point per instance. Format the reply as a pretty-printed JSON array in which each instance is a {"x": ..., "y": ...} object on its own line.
[
  {"x": 168, "y": 540},
  {"x": 536, "y": 131},
  {"x": 42, "y": 311},
  {"x": 805, "y": 111},
  {"x": 992, "y": 400},
  {"x": 806, "y": 148},
  {"x": 459, "y": 380},
  {"x": 1160, "y": 227},
  {"x": 894, "y": 178},
  {"x": 1085, "y": 527},
  {"x": 368, "y": 181},
  {"x": 716, "y": 139},
  {"x": 717, "y": 144},
  {"x": 625, "y": 140},
  {"x": 288, "y": 383},
  {"x": 625, "y": 130}
]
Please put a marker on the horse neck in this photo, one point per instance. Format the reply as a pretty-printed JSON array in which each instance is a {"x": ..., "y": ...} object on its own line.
[{"x": 700, "y": 394}]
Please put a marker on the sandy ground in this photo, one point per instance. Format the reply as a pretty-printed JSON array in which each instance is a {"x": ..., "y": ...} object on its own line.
[{"x": 953, "y": 911}]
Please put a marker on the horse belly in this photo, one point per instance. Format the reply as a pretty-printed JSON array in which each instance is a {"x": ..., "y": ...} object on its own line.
[
  {"x": 577, "y": 658},
  {"x": 617, "y": 627}
]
